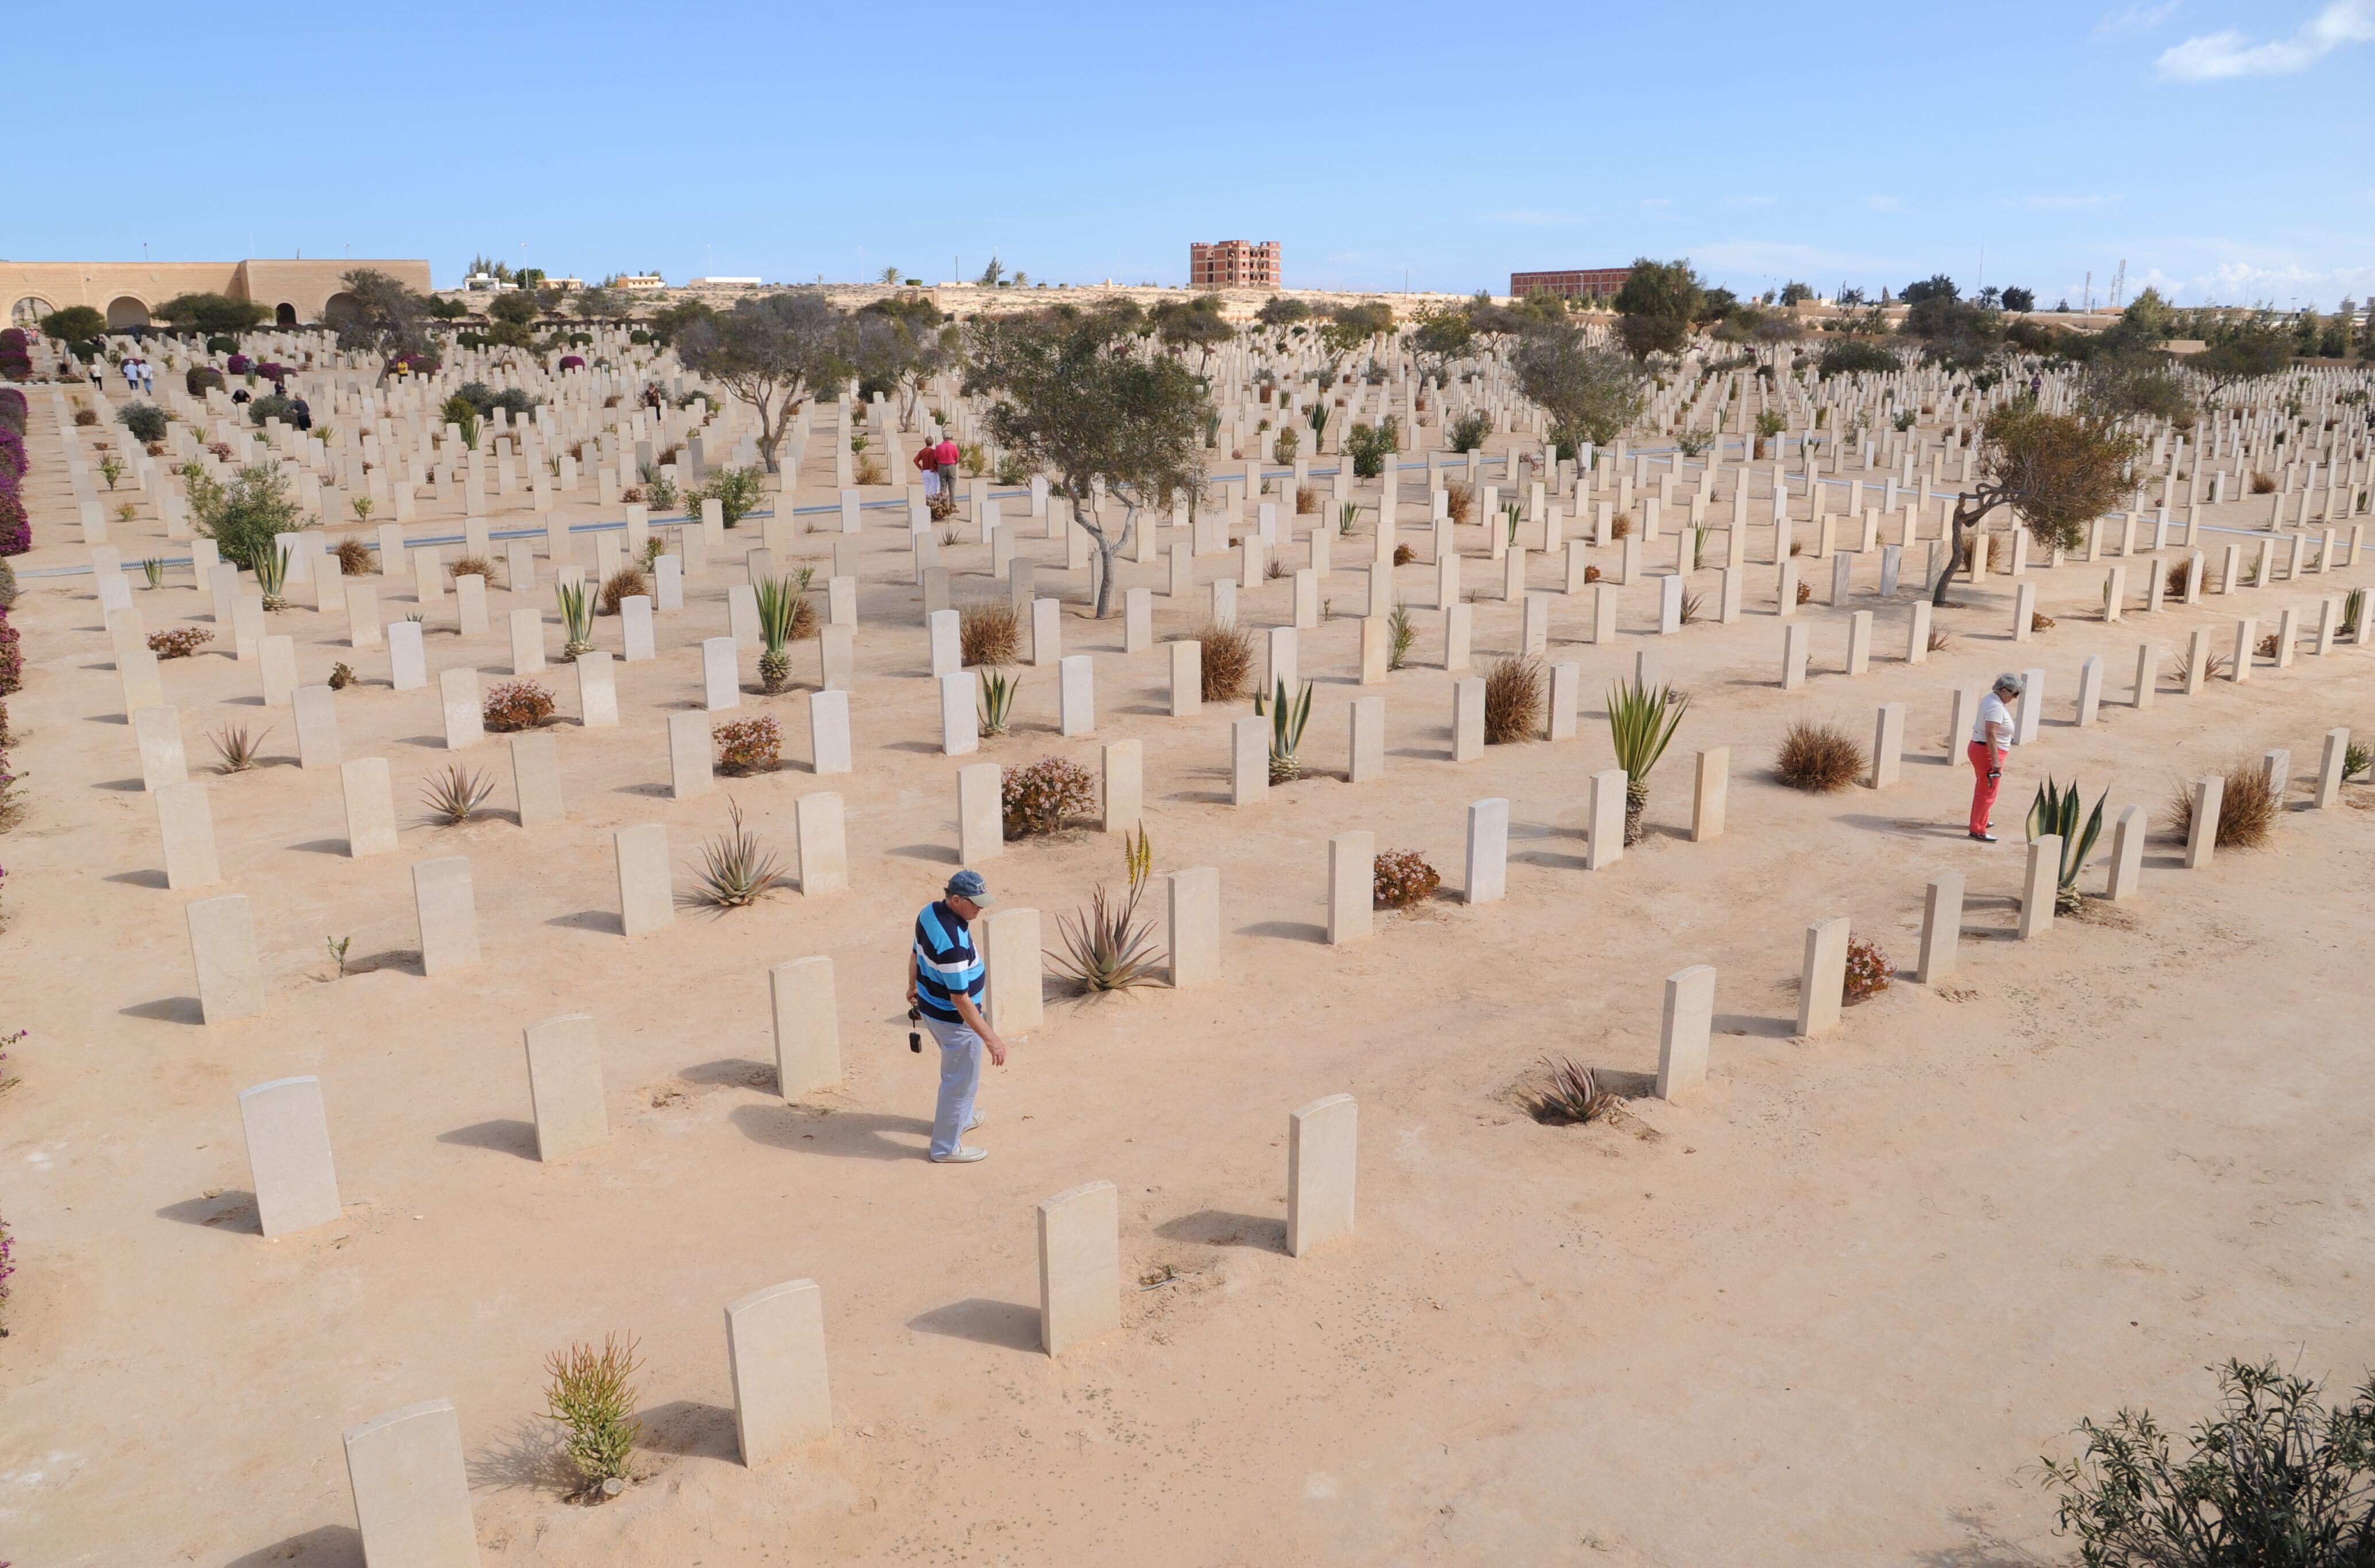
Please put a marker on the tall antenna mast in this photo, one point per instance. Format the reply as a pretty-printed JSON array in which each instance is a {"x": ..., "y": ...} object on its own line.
[{"x": 2120, "y": 286}]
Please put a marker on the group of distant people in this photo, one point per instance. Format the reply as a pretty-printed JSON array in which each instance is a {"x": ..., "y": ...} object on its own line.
[{"x": 137, "y": 376}]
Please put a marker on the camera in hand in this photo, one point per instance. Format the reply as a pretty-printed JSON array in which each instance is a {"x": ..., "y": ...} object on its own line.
[{"x": 915, "y": 1038}]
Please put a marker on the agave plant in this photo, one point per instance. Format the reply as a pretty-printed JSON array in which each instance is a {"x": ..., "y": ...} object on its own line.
[
  {"x": 2055, "y": 810},
  {"x": 576, "y": 616},
  {"x": 1641, "y": 721},
  {"x": 735, "y": 867},
  {"x": 997, "y": 691},
  {"x": 1346, "y": 515},
  {"x": 779, "y": 600},
  {"x": 455, "y": 795},
  {"x": 238, "y": 748},
  {"x": 272, "y": 576},
  {"x": 1510, "y": 513},
  {"x": 1287, "y": 717},
  {"x": 1106, "y": 947},
  {"x": 153, "y": 570},
  {"x": 2350, "y": 603}
]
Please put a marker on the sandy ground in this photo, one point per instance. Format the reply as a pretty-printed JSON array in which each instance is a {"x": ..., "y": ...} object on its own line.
[{"x": 1830, "y": 1310}]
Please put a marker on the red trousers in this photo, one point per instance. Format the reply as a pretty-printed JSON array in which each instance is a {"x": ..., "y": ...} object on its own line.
[{"x": 1984, "y": 788}]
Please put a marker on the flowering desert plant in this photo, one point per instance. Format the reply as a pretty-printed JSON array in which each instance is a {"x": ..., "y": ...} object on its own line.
[
  {"x": 1404, "y": 878},
  {"x": 1868, "y": 970},
  {"x": 517, "y": 705},
  {"x": 749, "y": 746},
  {"x": 1044, "y": 797}
]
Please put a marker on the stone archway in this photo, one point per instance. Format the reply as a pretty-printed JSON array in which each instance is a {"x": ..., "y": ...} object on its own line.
[
  {"x": 27, "y": 312},
  {"x": 124, "y": 312},
  {"x": 284, "y": 314},
  {"x": 339, "y": 304}
]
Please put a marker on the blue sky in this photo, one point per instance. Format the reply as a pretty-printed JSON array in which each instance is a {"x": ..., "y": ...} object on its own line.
[{"x": 2220, "y": 148}]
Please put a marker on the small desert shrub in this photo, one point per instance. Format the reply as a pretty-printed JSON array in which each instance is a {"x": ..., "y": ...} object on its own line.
[
  {"x": 1404, "y": 555},
  {"x": 180, "y": 643},
  {"x": 239, "y": 750},
  {"x": 2039, "y": 621},
  {"x": 1513, "y": 700},
  {"x": 1573, "y": 1095},
  {"x": 1591, "y": 574},
  {"x": 342, "y": 675},
  {"x": 1403, "y": 878},
  {"x": 625, "y": 584},
  {"x": 1401, "y": 633},
  {"x": 1941, "y": 641},
  {"x": 2266, "y": 646},
  {"x": 453, "y": 795},
  {"x": 1228, "y": 663},
  {"x": 1044, "y": 797},
  {"x": 1818, "y": 757},
  {"x": 2174, "y": 584},
  {"x": 354, "y": 559},
  {"x": 1805, "y": 592},
  {"x": 476, "y": 566},
  {"x": 989, "y": 633},
  {"x": 2263, "y": 484},
  {"x": 592, "y": 1396},
  {"x": 1307, "y": 501},
  {"x": 2274, "y": 1476},
  {"x": 516, "y": 705},
  {"x": 1868, "y": 970},
  {"x": 1693, "y": 607},
  {"x": 1459, "y": 502},
  {"x": 749, "y": 746},
  {"x": 85, "y": 417},
  {"x": 2212, "y": 665},
  {"x": 2247, "y": 808}
]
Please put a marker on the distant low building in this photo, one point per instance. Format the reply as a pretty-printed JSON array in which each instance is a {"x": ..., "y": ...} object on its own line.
[
  {"x": 127, "y": 292},
  {"x": 1589, "y": 283},
  {"x": 724, "y": 283},
  {"x": 1233, "y": 264},
  {"x": 640, "y": 282}
]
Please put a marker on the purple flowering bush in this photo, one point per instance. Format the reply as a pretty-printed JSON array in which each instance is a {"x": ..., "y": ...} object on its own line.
[
  {"x": 239, "y": 364},
  {"x": 16, "y": 528},
  {"x": 12, "y": 657},
  {"x": 573, "y": 362}
]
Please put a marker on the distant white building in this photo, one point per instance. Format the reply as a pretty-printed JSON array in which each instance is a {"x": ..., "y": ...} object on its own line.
[
  {"x": 641, "y": 281},
  {"x": 724, "y": 283},
  {"x": 483, "y": 282}
]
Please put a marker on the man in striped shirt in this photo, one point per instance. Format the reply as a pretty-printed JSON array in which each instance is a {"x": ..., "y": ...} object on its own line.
[{"x": 944, "y": 977}]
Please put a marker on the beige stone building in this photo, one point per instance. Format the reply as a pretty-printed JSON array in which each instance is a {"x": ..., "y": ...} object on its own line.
[{"x": 128, "y": 292}]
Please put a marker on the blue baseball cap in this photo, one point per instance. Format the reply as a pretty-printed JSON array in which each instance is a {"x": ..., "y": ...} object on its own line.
[{"x": 969, "y": 885}]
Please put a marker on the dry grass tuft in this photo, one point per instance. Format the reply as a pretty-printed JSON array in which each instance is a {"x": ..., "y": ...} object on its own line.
[
  {"x": 1818, "y": 757},
  {"x": 1941, "y": 641},
  {"x": 476, "y": 566},
  {"x": 1513, "y": 700},
  {"x": 1459, "y": 501},
  {"x": 2247, "y": 808},
  {"x": 1228, "y": 660},
  {"x": 354, "y": 557},
  {"x": 989, "y": 633},
  {"x": 627, "y": 582}
]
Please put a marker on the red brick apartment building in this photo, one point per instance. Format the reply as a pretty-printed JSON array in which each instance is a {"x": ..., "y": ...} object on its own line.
[
  {"x": 1233, "y": 264},
  {"x": 1590, "y": 283}
]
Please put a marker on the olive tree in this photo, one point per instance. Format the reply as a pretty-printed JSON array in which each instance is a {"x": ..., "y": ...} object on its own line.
[
  {"x": 902, "y": 344},
  {"x": 379, "y": 316},
  {"x": 1192, "y": 323},
  {"x": 214, "y": 315},
  {"x": 2056, "y": 472},
  {"x": 1657, "y": 305},
  {"x": 1591, "y": 393},
  {"x": 1077, "y": 398},
  {"x": 1443, "y": 335},
  {"x": 774, "y": 352}
]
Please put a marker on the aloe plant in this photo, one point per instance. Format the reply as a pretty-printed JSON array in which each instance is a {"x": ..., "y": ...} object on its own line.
[
  {"x": 1510, "y": 513},
  {"x": 1641, "y": 722},
  {"x": 1346, "y": 515},
  {"x": 272, "y": 576},
  {"x": 576, "y": 618},
  {"x": 1106, "y": 947},
  {"x": 2055, "y": 810},
  {"x": 1287, "y": 717},
  {"x": 154, "y": 570},
  {"x": 778, "y": 605},
  {"x": 997, "y": 691}
]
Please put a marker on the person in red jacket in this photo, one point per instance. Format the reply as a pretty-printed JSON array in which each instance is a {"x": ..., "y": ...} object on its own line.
[
  {"x": 947, "y": 455},
  {"x": 927, "y": 462}
]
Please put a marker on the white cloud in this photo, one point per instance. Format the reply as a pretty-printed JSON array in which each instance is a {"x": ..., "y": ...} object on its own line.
[
  {"x": 2135, "y": 18},
  {"x": 2218, "y": 55},
  {"x": 1884, "y": 204},
  {"x": 1657, "y": 201},
  {"x": 2067, "y": 203},
  {"x": 1748, "y": 201}
]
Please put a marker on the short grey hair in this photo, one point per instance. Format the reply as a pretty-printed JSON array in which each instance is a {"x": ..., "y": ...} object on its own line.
[{"x": 2010, "y": 685}]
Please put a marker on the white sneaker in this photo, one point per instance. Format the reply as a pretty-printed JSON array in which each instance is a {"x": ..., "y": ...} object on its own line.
[
  {"x": 963, "y": 1156},
  {"x": 970, "y": 1126}
]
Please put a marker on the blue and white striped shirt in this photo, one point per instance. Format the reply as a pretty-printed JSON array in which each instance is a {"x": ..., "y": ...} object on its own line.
[{"x": 946, "y": 963}]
